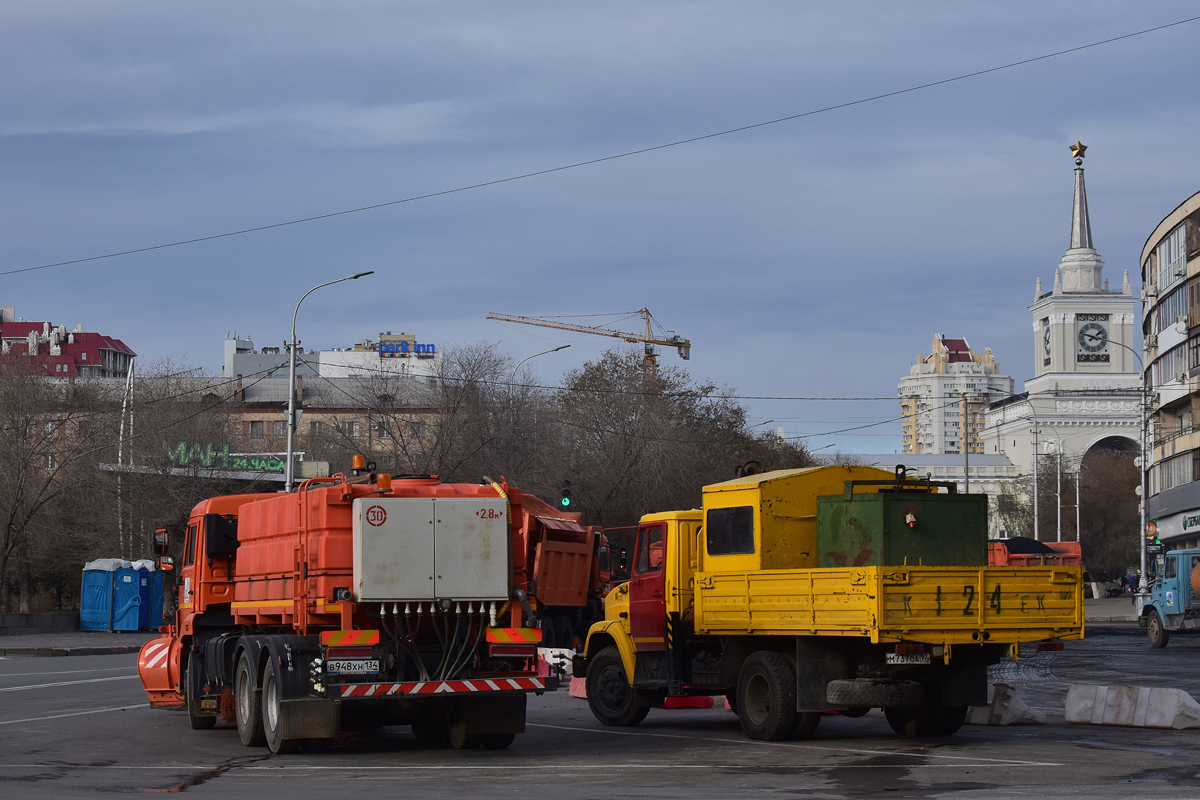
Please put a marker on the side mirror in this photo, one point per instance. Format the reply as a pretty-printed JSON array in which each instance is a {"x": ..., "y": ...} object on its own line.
[
  {"x": 161, "y": 542},
  {"x": 165, "y": 563}
]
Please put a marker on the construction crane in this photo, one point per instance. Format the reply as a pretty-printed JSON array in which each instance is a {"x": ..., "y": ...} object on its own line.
[{"x": 649, "y": 361}]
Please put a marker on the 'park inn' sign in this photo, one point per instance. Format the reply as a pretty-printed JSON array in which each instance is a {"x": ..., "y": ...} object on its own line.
[{"x": 217, "y": 456}]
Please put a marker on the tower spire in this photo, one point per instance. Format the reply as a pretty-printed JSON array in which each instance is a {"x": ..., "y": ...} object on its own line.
[
  {"x": 1081, "y": 265},
  {"x": 1081, "y": 224}
]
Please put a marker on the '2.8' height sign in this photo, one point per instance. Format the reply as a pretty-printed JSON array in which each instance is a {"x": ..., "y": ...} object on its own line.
[
  {"x": 375, "y": 516},
  {"x": 489, "y": 513}
]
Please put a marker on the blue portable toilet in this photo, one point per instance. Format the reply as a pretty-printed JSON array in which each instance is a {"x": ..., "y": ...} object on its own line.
[
  {"x": 95, "y": 599},
  {"x": 156, "y": 600},
  {"x": 126, "y": 599},
  {"x": 143, "y": 568}
]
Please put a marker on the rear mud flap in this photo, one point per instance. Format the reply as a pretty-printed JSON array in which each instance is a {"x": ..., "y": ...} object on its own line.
[{"x": 309, "y": 718}]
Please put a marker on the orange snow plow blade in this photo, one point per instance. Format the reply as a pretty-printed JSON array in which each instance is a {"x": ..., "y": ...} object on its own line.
[{"x": 158, "y": 667}]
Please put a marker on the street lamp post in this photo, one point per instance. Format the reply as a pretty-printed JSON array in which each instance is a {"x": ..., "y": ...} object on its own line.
[
  {"x": 1143, "y": 408},
  {"x": 512, "y": 378},
  {"x": 1033, "y": 413},
  {"x": 289, "y": 469}
]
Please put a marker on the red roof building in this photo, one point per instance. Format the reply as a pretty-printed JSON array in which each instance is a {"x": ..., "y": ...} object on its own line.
[{"x": 62, "y": 353}]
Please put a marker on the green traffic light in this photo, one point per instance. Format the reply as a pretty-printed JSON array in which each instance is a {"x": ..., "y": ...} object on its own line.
[{"x": 566, "y": 501}]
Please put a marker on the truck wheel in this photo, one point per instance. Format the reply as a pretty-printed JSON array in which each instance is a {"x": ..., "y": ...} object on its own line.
[
  {"x": 766, "y": 698},
  {"x": 272, "y": 713},
  {"x": 613, "y": 701},
  {"x": 549, "y": 634},
  {"x": 927, "y": 719},
  {"x": 198, "y": 720},
  {"x": 497, "y": 741},
  {"x": 806, "y": 725},
  {"x": 461, "y": 740},
  {"x": 247, "y": 705},
  {"x": 564, "y": 632},
  {"x": 430, "y": 732},
  {"x": 1156, "y": 631}
]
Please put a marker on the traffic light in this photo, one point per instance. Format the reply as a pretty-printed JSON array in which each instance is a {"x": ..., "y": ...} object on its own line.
[{"x": 566, "y": 494}]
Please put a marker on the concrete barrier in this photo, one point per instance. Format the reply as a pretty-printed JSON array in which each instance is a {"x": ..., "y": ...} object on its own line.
[
  {"x": 1135, "y": 706},
  {"x": 1005, "y": 707},
  {"x": 17, "y": 624}
]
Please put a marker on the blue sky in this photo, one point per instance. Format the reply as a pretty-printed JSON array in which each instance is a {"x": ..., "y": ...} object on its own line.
[{"x": 811, "y": 258}]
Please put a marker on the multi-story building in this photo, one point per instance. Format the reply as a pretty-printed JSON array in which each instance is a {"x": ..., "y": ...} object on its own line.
[
  {"x": 62, "y": 353},
  {"x": 1086, "y": 386},
  {"x": 398, "y": 354},
  {"x": 944, "y": 398},
  {"x": 1171, "y": 337}
]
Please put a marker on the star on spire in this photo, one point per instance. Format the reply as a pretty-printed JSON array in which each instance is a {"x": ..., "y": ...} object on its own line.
[{"x": 1078, "y": 149}]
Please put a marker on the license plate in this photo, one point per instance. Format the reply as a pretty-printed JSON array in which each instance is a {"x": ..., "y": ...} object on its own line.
[
  {"x": 915, "y": 658},
  {"x": 352, "y": 666}
]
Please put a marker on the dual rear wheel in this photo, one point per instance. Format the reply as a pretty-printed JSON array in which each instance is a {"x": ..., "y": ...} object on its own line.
[{"x": 257, "y": 712}]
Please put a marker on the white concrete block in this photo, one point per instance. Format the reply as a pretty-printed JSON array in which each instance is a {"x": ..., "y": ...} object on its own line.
[
  {"x": 1005, "y": 708},
  {"x": 1135, "y": 706}
]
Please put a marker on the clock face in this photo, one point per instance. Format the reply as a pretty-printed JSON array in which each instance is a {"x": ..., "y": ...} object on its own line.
[
  {"x": 1046, "y": 340},
  {"x": 1093, "y": 337}
]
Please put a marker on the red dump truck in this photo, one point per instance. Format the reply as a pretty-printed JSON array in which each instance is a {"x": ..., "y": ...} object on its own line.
[
  {"x": 1021, "y": 551},
  {"x": 569, "y": 568},
  {"x": 356, "y": 602}
]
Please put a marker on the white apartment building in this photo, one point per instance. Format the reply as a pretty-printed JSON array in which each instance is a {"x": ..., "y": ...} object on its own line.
[{"x": 945, "y": 396}]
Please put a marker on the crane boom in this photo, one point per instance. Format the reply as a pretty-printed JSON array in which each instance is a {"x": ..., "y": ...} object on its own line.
[{"x": 682, "y": 346}]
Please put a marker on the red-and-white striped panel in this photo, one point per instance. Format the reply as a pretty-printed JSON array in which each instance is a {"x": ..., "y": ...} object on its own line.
[{"x": 449, "y": 687}]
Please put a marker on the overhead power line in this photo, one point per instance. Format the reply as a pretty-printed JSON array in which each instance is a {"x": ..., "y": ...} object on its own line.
[{"x": 602, "y": 159}]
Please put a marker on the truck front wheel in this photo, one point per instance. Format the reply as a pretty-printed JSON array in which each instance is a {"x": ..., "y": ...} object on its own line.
[
  {"x": 766, "y": 697},
  {"x": 247, "y": 705},
  {"x": 1156, "y": 631},
  {"x": 613, "y": 701}
]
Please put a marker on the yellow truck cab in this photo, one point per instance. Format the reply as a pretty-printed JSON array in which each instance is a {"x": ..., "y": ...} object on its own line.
[{"x": 799, "y": 592}]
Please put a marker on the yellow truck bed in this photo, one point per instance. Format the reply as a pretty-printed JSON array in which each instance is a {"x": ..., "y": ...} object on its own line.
[{"x": 935, "y": 605}]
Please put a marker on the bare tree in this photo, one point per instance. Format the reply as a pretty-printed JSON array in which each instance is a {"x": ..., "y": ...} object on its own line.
[{"x": 633, "y": 443}]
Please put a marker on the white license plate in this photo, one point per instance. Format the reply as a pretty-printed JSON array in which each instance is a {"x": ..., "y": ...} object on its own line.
[
  {"x": 915, "y": 658},
  {"x": 352, "y": 666}
]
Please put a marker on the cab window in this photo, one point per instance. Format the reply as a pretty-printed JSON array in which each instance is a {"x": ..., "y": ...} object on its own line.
[
  {"x": 650, "y": 551},
  {"x": 730, "y": 530},
  {"x": 189, "y": 546},
  {"x": 1171, "y": 562}
]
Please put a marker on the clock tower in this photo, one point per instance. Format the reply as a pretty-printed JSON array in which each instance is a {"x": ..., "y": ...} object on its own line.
[
  {"x": 1086, "y": 384},
  {"x": 1083, "y": 333}
]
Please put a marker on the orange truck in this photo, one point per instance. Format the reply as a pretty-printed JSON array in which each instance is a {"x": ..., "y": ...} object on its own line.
[
  {"x": 352, "y": 603},
  {"x": 569, "y": 568},
  {"x": 1021, "y": 551}
]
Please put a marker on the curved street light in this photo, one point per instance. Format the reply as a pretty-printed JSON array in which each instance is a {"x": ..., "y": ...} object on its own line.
[
  {"x": 1144, "y": 467},
  {"x": 289, "y": 470},
  {"x": 512, "y": 378}
]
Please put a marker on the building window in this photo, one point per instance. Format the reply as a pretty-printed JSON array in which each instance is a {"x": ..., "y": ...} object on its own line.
[
  {"x": 349, "y": 429},
  {"x": 256, "y": 429},
  {"x": 383, "y": 431},
  {"x": 50, "y": 430},
  {"x": 316, "y": 428},
  {"x": 1172, "y": 257},
  {"x": 418, "y": 430},
  {"x": 51, "y": 461},
  {"x": 280, "y": 428}
]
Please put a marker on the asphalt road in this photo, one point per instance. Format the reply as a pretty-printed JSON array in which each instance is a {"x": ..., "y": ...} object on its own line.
[{"x": 78, "y": 727}]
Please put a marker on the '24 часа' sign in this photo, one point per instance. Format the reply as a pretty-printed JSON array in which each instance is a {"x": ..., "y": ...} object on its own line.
[{"x": 217, "y": 456}]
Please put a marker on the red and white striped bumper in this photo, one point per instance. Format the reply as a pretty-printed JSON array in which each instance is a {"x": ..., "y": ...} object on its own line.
[{"x": 446, "y": 687}]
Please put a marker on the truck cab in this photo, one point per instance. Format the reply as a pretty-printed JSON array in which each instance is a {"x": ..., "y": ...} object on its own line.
[{"x": 1174, "y": 602}]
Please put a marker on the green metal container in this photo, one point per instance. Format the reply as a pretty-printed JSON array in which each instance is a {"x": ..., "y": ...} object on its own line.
[{"x": 910, "y": 523}]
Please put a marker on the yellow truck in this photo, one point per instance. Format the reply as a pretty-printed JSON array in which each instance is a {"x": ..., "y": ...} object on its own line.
[{"x": 795, "y": 593}]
